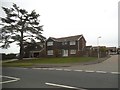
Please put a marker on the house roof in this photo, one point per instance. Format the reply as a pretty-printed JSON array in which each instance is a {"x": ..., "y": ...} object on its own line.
[
  {"x": 88, "y": 46},
  {"x": 111, "y": 47},
  {"x": 70, "y": 38}
]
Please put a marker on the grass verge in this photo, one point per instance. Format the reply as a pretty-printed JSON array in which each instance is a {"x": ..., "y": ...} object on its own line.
[{"x": 56, "y": 60}]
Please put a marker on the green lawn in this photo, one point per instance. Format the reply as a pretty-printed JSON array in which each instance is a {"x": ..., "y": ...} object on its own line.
[{"x": 62, "y": 60}]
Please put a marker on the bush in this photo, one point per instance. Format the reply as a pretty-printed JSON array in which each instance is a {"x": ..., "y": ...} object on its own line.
[{"x": 8, "y": 56}]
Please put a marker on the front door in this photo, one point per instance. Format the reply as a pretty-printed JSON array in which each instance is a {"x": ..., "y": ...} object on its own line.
[{"x": 65, "y": 53}]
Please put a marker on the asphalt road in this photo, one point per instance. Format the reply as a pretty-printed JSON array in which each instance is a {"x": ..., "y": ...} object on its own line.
[{"x": 56, "y": 78}]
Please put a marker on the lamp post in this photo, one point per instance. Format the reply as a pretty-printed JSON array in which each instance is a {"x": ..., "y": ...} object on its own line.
[{"x": 98, "y": 46}]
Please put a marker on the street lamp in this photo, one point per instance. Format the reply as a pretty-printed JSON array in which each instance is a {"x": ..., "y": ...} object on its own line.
[{"x": 98, "y": 46}]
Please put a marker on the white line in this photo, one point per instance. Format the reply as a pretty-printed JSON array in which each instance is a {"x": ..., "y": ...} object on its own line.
[
  {"x": 15, "y": 79},
  {"x": 24, "y": 68},
  {"x": 58, "y": 69},
  {"x": 51, "y": 68},
  {"x": 89, "y": 71},
  {"x": 36, "y": 68},
  {"x": 101, "y": 71},
  {"x": 67, "y": 69},
  {"x": 115, "y": 72},
  {"x": 9, "y": 81},
  {"x": 0, "y": 76},
  {"x": 44, "y": 68},
  {"x": 59, "y": 85},
  {"x": 78, "y": 70}
]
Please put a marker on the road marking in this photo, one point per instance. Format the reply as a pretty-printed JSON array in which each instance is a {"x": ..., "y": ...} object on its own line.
[
  {"x": 59, "y": 69},
  {"x": 67, "y": 69},
  {"x": 78, "y": 70},
  {"x": 15, "y": 79},
  {"x": 63, "y": 86},
  {"x": 101, "y": 71},
  {"x": 115, "y": 72},
  {"x": 24, "y": 68},
  {"x": 51, "y": 68},
  {"x": 36, "y": 68},
  {"x": 44, "y": 68},
  {"x": 89, "y": 71}
]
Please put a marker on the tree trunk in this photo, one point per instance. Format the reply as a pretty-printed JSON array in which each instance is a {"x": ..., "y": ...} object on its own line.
[{"x": 21, "y": 46}]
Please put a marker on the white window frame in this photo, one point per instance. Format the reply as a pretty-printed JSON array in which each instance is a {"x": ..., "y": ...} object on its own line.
[
  {"x": 73, "y": 51},
  {"x": 64, "y": 43},
  {"x": 50, "y": 43},
  {"x": 72, "y": 43},
  {"x": 49, "y": 52}
]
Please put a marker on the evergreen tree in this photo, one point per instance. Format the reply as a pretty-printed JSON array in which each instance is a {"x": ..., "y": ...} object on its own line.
[{"x": 21, "y": 27}]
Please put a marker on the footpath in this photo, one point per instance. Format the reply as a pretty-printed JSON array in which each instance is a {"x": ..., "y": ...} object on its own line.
[
  {"x": 70, "y": 64},
  {"x": 107, "y": 64}
]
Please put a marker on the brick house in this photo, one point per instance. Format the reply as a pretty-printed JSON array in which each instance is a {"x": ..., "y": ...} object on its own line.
[
  {"x": 65, "y": 46},
  {"x": 36, "y": 50}
]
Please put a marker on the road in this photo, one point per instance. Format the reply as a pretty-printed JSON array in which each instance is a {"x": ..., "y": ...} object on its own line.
[
  {"x": 38, "y": 78},
  {"x": 101, "y": 75}
]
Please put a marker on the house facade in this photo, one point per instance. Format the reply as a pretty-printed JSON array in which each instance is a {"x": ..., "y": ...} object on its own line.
[
  {"x": 112, "y": 50},
  {"x": 118, "y": 50},
  {"x": 65, "y": 46},
  {"x": 37, "y": 50},
  {"x": 93, "y": 51}
]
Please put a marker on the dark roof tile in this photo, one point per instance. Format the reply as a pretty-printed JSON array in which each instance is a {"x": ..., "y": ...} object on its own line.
[{"x": 70, "y": 38}]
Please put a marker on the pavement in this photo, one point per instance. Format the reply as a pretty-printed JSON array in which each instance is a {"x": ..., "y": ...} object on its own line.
[
  {"x": 70, "y": 64},
  {"x": 9, "y": 60},
  {"x": 109, "y": 64}
]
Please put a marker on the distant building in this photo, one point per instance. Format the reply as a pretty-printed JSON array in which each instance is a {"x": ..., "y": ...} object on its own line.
[
  {"x": 93, "y": 51},
  {"x": 118, "y": 50},
  {"x": 112, "y": 50},
  {"x": 37, "y": 51},
  {"x": 34, "y": 50}
]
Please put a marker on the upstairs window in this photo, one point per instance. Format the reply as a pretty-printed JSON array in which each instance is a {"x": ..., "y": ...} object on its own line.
[
  {"x": 72, "y": 43},
  {"x": 49, "y": 43},
  {"x": 64, "y": 43}
]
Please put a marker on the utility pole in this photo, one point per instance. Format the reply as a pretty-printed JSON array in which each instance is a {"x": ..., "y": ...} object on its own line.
[{"x": 98, "y": 47}]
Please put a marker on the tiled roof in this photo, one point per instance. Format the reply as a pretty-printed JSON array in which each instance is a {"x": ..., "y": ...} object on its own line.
[
  {"x": 70, "y": 38},
  {"x": 88, "y": 46}
]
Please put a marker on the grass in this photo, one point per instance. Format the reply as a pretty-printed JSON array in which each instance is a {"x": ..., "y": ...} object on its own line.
[{"x": 62, "y": 60}]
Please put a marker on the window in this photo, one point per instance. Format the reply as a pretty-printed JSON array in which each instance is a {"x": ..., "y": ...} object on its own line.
[
  {"x": 72, "y": 42},
  {"x": 49, "y": 43},
  {"x": 50, "y": 52},
  {"x": 64, "y": 43},
  {"x": 72, "y": 51}
]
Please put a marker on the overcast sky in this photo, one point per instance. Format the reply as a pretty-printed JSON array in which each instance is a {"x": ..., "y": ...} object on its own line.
[{"x": 61, "y": 18}]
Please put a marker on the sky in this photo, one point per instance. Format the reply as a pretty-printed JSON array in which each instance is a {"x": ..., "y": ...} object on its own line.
[{"x": 62, "y": 18}]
